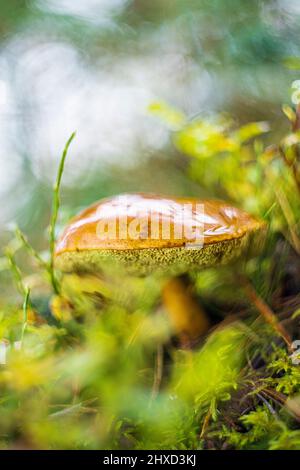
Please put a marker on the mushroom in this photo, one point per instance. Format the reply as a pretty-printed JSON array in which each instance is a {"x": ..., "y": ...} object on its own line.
[{"x": 148, "y": 233}]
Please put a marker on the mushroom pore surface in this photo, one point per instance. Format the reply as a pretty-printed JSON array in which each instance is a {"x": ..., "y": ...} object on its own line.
[{"x": 146, "y": 233}]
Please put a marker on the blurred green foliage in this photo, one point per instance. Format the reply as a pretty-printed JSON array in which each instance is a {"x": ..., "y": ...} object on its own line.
[
  {"x": 221, "y": 57},
  {"x": 234, "y": 163},
  {"x": 81, "y": 368}
]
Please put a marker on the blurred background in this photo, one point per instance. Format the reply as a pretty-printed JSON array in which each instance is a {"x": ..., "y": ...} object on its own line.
[
  {"x": 99, "y": 358},
  {"x": 94, "y": 66}
]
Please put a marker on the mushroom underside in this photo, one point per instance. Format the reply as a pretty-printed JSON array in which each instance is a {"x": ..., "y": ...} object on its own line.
[{"x": 175, "y": 259}]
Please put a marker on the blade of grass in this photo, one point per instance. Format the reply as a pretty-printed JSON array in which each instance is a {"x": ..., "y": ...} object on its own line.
[
  {"x": 24, "y": 290},
  {"x": 15, "y": 270},
  {"x": 290, "y": 218},
  {"x": 55, "y": 209},
  {"x": 25, "y": 314},
  {"x": 32, "y": 252}
]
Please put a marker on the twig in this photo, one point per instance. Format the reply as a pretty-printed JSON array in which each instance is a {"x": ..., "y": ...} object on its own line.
[
  {"x": 55, "y": 209},
  {"x": 74, "y": 408},
  {"x": 277, "y": 397},
  {"x": 266, "y": 312},
  {"x": 158, "y": 373},
  {"x": 205, "y": 423},
  {"x": 268, "y": 405}
]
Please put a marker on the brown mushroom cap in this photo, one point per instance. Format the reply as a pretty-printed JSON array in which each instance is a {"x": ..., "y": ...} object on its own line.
[{"x": 228, "y": 233}]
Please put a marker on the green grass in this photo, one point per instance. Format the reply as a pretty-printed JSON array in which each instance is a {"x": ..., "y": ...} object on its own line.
[{"x": 54, "y": 215}]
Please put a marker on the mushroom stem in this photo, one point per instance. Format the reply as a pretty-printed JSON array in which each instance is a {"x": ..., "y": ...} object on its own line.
[{"x": 189, "y": 321}]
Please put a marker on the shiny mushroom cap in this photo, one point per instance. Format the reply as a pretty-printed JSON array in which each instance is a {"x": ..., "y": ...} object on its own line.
[{"x": 146, "y": 232}]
